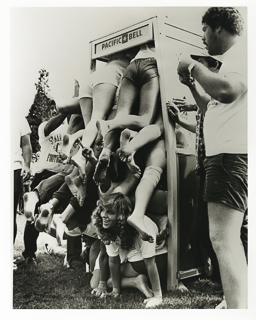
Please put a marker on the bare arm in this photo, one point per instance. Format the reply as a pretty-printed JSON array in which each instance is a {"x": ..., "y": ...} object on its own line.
[
  {"x": 115, "y": 272},
  {"x": 27, "y": 156},
  {"x": 174, "y": 113},
  {"x": 54, "y": 123},
  {"x": 223, "y": 88}
]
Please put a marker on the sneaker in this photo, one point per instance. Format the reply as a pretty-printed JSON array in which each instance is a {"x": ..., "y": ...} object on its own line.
[{"x": 31, "y": 261}]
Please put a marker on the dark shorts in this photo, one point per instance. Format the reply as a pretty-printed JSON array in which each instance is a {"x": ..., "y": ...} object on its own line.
[
  {"x": 18, "y": 185},
  {"x": 227, "y": 180},
  {"x": 161, "y": 263},
  {"x": 140, "y": 71}
]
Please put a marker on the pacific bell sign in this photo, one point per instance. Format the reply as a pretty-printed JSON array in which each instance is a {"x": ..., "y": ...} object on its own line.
[{"x": 123, "y": 40}]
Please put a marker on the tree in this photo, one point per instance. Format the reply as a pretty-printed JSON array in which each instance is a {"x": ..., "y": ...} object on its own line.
[{"x": 40, "y": 109}]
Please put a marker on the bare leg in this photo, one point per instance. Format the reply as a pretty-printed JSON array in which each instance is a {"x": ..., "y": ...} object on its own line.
[
  {"x": 81, "y": 190},
  {"x": 155, "y": 164},
  {"x": 103, "y": 98},
  {"x": 80, "y": 162},
  {"x": 225, "y": 228},
  {"x": 45, "y": 216},
  {"x": 149, "y": 101},
  {"x": 131, "y": 279},
  {"x": 70, "y": 181},
  {"x": 67, "y": 148},
  {"x": 67, "y": 214},
  {"x": 102, "y": 166}
]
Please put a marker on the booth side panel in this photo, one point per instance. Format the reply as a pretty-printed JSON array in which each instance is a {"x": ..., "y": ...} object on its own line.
[{"x": 164, "y": 67}]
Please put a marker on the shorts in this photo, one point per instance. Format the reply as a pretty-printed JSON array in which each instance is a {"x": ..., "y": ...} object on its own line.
[
  {"x": 18, "y": 184},
  {"x": 161, "y": 263},
  {"x": 111, "y": 74},
  {"x": 140, "y": 71},
  {"x": 226, "y": 180}
]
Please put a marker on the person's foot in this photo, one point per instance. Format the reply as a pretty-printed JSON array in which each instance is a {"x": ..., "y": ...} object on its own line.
[
  {"x": 162, "y": 223},
  {"x": 142, "y": 284},
  {"x": 69, "y": 146},
  {"x": 135, "y": 170},
  {"x": 138, "y": 224},
  {"x": 222, "y": 305},
  {"x": 124, "y": 151},
  {"x": 71, "y": 185},
  {"x": 80, "y": 162},
  {"x": 103, "y": 129},
  {"x": 102, "y": 167},
  {"x": 153, "y": 302},
  {"x": 44, "y": 218},
  {"x": 81, "y": 190},
  {"x": 30, "y": 201},
  {"x": 30, "y": 261}
]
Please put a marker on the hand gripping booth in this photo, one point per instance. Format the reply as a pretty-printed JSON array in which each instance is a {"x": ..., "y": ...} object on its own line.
[{"x": 182, "y": 183}]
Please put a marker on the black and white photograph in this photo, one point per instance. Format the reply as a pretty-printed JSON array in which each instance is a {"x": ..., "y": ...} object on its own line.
[{"x": 128, "y": 174}]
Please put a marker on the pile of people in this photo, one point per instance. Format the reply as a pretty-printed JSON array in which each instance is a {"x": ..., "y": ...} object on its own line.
[{"x": 101, "y": 177}]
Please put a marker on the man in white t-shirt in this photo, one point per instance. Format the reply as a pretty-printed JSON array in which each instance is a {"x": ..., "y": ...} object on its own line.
[
  {"x": 225, "y": 133},
  {"x": 22, "y": 157}
]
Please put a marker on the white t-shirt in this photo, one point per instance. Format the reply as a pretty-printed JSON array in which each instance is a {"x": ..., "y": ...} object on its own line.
[
  {"x": 225, "y": 125},
  {"x": 142, "y": 249},
  {"x": 19, "y": 131},
  {"x": 50, "y": 146}
]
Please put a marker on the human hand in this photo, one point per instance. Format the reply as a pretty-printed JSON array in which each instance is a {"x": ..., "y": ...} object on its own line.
[
  {"x": 25, "y": 173},
  {"x": 113, "y": 294},
  {"x": 183, "y": 105},
  {"x": 173, "y": 111},
  {"x": 184, "y": 63},
  {"x": 153, "y": 302},
  {"x": 187, "y": 80},
  {"x": 99, "y": 292}
]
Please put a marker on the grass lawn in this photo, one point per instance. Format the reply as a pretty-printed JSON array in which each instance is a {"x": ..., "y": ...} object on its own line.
[{"x": 50, "y": 285}]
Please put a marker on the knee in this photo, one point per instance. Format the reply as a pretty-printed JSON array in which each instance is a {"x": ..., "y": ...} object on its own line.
[
  {"x": 144, "y": 121},
  {"x": 61, "y": 107}
]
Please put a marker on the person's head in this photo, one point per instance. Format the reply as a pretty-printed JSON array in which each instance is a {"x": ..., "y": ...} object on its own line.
[
  {"x": 110, "y": 219},
  {"x": 213, "y": 63},
  {"x": 221, "y": 25}
]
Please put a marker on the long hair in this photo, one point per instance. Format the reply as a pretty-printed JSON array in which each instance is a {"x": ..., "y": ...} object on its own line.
[{"x": 120, "y": 205}]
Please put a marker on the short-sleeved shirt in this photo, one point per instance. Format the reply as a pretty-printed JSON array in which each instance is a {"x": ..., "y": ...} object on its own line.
[
  {"x": 225, "y": 125},
  {"x": 50, "y": 146},
  {"x": 142, "y": 249},
  {"x": 19, "y": 131}
]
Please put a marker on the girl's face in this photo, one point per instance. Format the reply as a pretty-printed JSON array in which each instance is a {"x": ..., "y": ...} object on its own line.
[{"x": 109, "y": 219}]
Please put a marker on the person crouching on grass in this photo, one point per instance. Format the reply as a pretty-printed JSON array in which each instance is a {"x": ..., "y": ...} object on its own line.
[{"x": 144, "y": 259}]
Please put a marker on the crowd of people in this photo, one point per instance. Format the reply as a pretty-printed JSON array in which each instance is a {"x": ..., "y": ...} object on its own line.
[{"x": 101, "y": 175}]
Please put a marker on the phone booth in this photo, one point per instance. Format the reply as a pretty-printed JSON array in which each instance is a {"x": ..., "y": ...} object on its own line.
[{"x": 182, "y": 183}]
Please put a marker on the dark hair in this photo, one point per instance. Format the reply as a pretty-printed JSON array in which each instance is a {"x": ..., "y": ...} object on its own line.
[
  {"x": 228, "y": 18},
  {"x": 212, "y": 63},
  {"x": 120, "y": 204}
]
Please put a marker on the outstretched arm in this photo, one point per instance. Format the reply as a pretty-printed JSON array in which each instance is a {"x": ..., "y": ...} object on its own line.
[
  {"x": 197, "y": 91},
  {"x": 54, "y": 123},
  {"x": 174, "y": 113}
]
